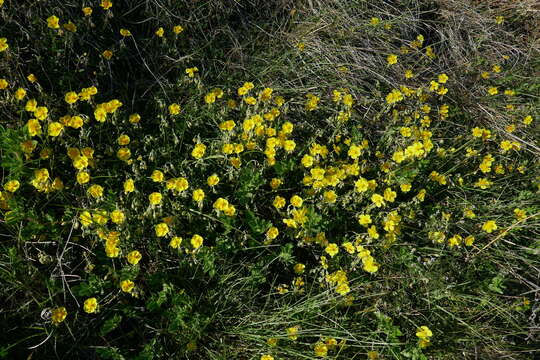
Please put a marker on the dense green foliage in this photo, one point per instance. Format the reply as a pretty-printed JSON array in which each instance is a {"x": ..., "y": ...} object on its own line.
[{"x": 245, "y": 179}]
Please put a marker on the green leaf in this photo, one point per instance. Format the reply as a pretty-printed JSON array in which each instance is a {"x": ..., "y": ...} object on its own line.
[
  {"x": 496, "y": 284},
  {"x": 110, "y": 324},
  {"x": 109, "y": 353},
  {"x": 256, "y": 224}
]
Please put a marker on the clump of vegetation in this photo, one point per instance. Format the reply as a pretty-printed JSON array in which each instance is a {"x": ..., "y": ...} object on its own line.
[{"x": 269, "y": 180}]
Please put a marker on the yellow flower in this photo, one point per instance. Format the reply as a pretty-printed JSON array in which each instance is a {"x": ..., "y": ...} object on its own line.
[
  {"x": 160, "y": 32},
  {"x": 227, "y": 125},
  {"x": 100, "y": 217},
  {"x": 174, "y": 109},
  {"x": 196, "y": 241},
  {"x": 296, "y": 201},
  {"x": 394, "y": 96},
  {"x": 57, "y": 184},
  {"x": 267, "y": 357},
  {"x": 75, "y": 122},
  {"x": 377, "y": 199},
  {"x": 354, "y": 152},
  {"x": 398, "y": 156},
  {"x": 71, "y": 97},
  {"x": 106, "y": 4},
  {"x": 100, "y": 114},
  {"x": 52, "y": 22},
  {"x": 330, "y": 196},
  {"x": 125, "y": 32},
  {"x": 317, "y": 174},
  {"x": 134, "y": 257},
  {"x": 455, "y": 240},
  {"x": 409, "y": 74},
  {"x": 289, "y": 145},
  {"x": 161, "y": 229},
  {"x": 54, "y": 129},
  {"x": 32, "y": 78},
  {"x": 212, "y": 180},
  {"x": 178, "y": 184},
  {"x": 83, "y": 177},
  {"x": 483, "y": 183},
  {"x": 279, "y": 202},
  {"x": 155, "y": 198},
  {"x": 58, "y": 315},
  {"x": 118, "y": 217},
  {"x": 107, "y": 54},
  {"x": 198, "y": 151},
  {"x": 332, "y": 249},
  {"x": 177, "y": 29},
  {"x": 405, "y": 187},
  {"x": 389, "y": 195},
  {"x": 123, "y": 154},
  {"x": 127, "y": 286},
  {"x": 272, "y": 233},
  {"x": 374, "y": 21},
  {"x": 372, "y": 232},
  {"x": 509, "y": 92},
  {"x": 442, "y": 79},
  {"x": 20, "y": 93},
  {"x": 28, "y": 146},
  {"x": 90, "y": 305},
  {"x": 361, "y": 185},
  {"x": 41, "y": 112},
  {"x": 129, "y": 186},
  {"x": 96, "y": 191},
  {"x": 312, "y": 102},
  {"x": 221, "y": 204},
  {"x": 493, "y": 90},
  {"x": 111, "y": 106},
  {"x": 292, "y": 332},
  {"x": 364, "y": 220},
  {"x": 349, "y": 247},
  {"x": 423, "y": 332},
  {"x": 85, "y": 218},
  {"x": 527, "y": 120},
  {"x": 157, "y": 176},
  {"x": 198, "y": 195},
  {"x": 307, "y": 161},
  {"x": 520, "y": 214},
  {"x": 12, "y": 186},
  {"x": 3, "y": 82},
  {"x": 134, "y": 118},
  {"x": 228, "y": 149},
  {"x": 429, "y": 52},
  {"x": 321, "y": 350},
  {"x": 175, "y": 242},
  {"x": 210, "y": 98},
  {"x": 71, "y": 27},
  {"x": 80, "y": 161},
  {"x": 191, "y": 71},
  {"x": 348, "y": 100},
  {"x": 489, "y": 226},
  {"x": 372, "y": 355},
  {"x": 392, "y": 59},
  {"x": 299, "y": 268},
  {"x": 250, "y": 100},
  {"x": 3, "y": 44},
  {"x": 421, "y": 195},
  {"x": 469, "y": 240},
  {"x": 123, "y": 140},
  {"x": 369, "y": 265}
]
